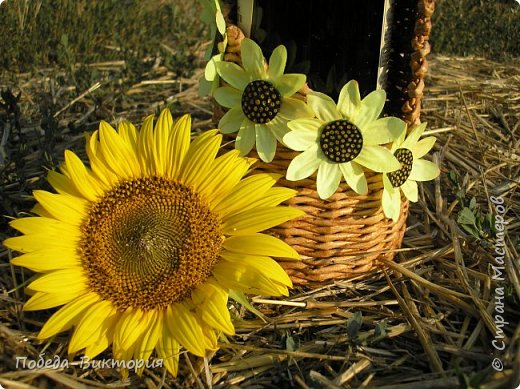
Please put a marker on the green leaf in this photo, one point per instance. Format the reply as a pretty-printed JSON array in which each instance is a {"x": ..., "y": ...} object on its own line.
[
  {"x": 242, "y": 299},
  {"x": 466, "y": 216}
]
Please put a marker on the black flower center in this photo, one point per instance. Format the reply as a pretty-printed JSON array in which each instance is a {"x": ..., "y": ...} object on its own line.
[
  {"x": 399, "y": 177},
  {"x": 261, "y": 101},
  {"x": 341, "y": 141},
  {"x": 148, "y": 242}
]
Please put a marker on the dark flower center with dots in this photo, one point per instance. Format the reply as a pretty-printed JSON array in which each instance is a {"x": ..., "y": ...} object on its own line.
[
  {"x": 148, "y": 242},
  {"x": 261, "y": 101},
  {"x": 399, "y": 177},
  {"x": 341, "y": 141}
]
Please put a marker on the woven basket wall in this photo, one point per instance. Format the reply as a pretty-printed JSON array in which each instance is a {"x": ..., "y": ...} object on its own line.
[{"x": 345, "y": 235}]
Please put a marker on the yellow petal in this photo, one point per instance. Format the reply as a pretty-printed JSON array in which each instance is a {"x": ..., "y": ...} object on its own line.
[
  {"x": 391, "y": 200},
  {"x": 42, "y": 300},
  {"x": 37, "y": 242},
  {"x": 260, "y": 244},
  {"x": 70, "y": 280},
  {"x": 105, "y": 338},
  {"x": 97, "y": 161},
  {"x": 421, "y": 148},
  {"x": 258, "y": 219},
  {"x": 212, "y": 301},
  {"x": 245, "y": 192},
  {"x": 410, "y": 190},
  {"x": 168, "y": 348},
  {"x": 240, "y": 277},
  {"x": 178, "y": 144},
  {"x": 201, "y": 154},
  {"x": 43, "y": 225},
  {"x": 262, "y": 264},
  {"x": 186, "y": 328},
  {"x": 128, "y": 331},
  {"x": 67, "y": 316},
  {"x": 62, "y": 184},
  {"x": 150, "y": 338},
  {"x": 161, "y": 135},
  {"x": 82, "y": 178},
  {"x": 145, "y": 146},
  {"x": 119, "y": 155},
  {"x": 227, "y": 170},
  {"x": 423, "y": 170},
  {"x": 128, "y": 133},
  {"x": 48, "y": 259},
  {"x": 272, "y": 197},
  {"x": 63, "y": 207},
  {"x": 94, "y": 323}
]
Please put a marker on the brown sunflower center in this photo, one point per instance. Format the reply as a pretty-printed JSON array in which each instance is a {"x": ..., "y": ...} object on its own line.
[
  {"x": 341, "y": 141},
  {"x": 399, "y": 177},
  {"x": 148, "y": 243},
  {"x": 261, "y": 101}
]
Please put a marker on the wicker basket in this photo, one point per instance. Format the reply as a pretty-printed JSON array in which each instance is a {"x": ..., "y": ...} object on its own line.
[{"x": 346, "y": 235}]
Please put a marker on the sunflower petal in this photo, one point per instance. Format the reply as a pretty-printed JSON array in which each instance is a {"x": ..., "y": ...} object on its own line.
[
  {"x": 129, "y": 329},
  {"x": 263, "y": 264},
  {"x": 260, "y": 244},
  {"x": 72, "y": 280},
  {"x": 228, "y": 97},
  {"x": 186, "y": 328},
  {"x": 304, "y": 165},
  {"x": 62, "y": 184},
  {"x": 246, "y": 139},
  {"x": 265, "y": 143},
  {"x": 66, "y": 208},
  {"x": 240, "y": 277},
  {"x": 383, "y": 131},
  {"x": 245, "y": 192},
  {"x": 391, "y": 200},
  {"x": 410, "y": 190},
  {"x": 371, "y": 107},
  {"x": 231, "y": 121},
  {"x": 355, "y": 177},
  {"x": 213, "y": 307},
  {"x": 150, "y": 338},
  {"x": 289, "y": 84},
  {"x": 178, "y": 144},
  {"x": 42, "y": 300},
  {"x": 233, "y": 74},
  {"x": 48, "y": 259},
  {"x": 277, "y": 63},
  {"x": 160, "y": 141},
  {"x": 301, "y": 139},
  {"x": 92, "y": 325},
  {"x": 168, "y": 349},
  {"x": 323, "y": 106},
  {"x": 67, "y": 316},
  {"x": 378, "y": 159},
  {"x": 200, "y": 156},
  {"x": 349, "y": 101},
  {"x": 329, "y": 177},
  {"x": 421, "y": 148},
  {"x": 258, "y": 219},
  {"x": 118, "y": 154},
  {"x": 414, "y": 136},
  {"x": 294, "y": 109},
  {"x": 252, "y": 59},
  {"x": 423, "y": 170}
]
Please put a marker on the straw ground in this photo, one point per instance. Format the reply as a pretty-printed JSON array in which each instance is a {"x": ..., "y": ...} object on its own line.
[{"x": 426, "y": 320}]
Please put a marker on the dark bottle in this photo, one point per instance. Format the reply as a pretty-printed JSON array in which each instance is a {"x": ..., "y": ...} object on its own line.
[{"x": 331, "y": 41}]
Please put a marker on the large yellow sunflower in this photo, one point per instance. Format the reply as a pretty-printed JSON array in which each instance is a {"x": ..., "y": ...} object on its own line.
[{"x": 142, "y": 248}]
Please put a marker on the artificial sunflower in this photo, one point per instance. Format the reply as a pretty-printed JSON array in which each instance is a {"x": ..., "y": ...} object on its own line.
[
  {"x": 143, "y": 247},
  {"x": 408, "y": 152},
  {"x": 259, "y": 99},
  {"x": 343, "y": 138}
]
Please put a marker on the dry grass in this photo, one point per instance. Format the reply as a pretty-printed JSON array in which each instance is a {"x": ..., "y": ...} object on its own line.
[{"x": 426, "y": 320}]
